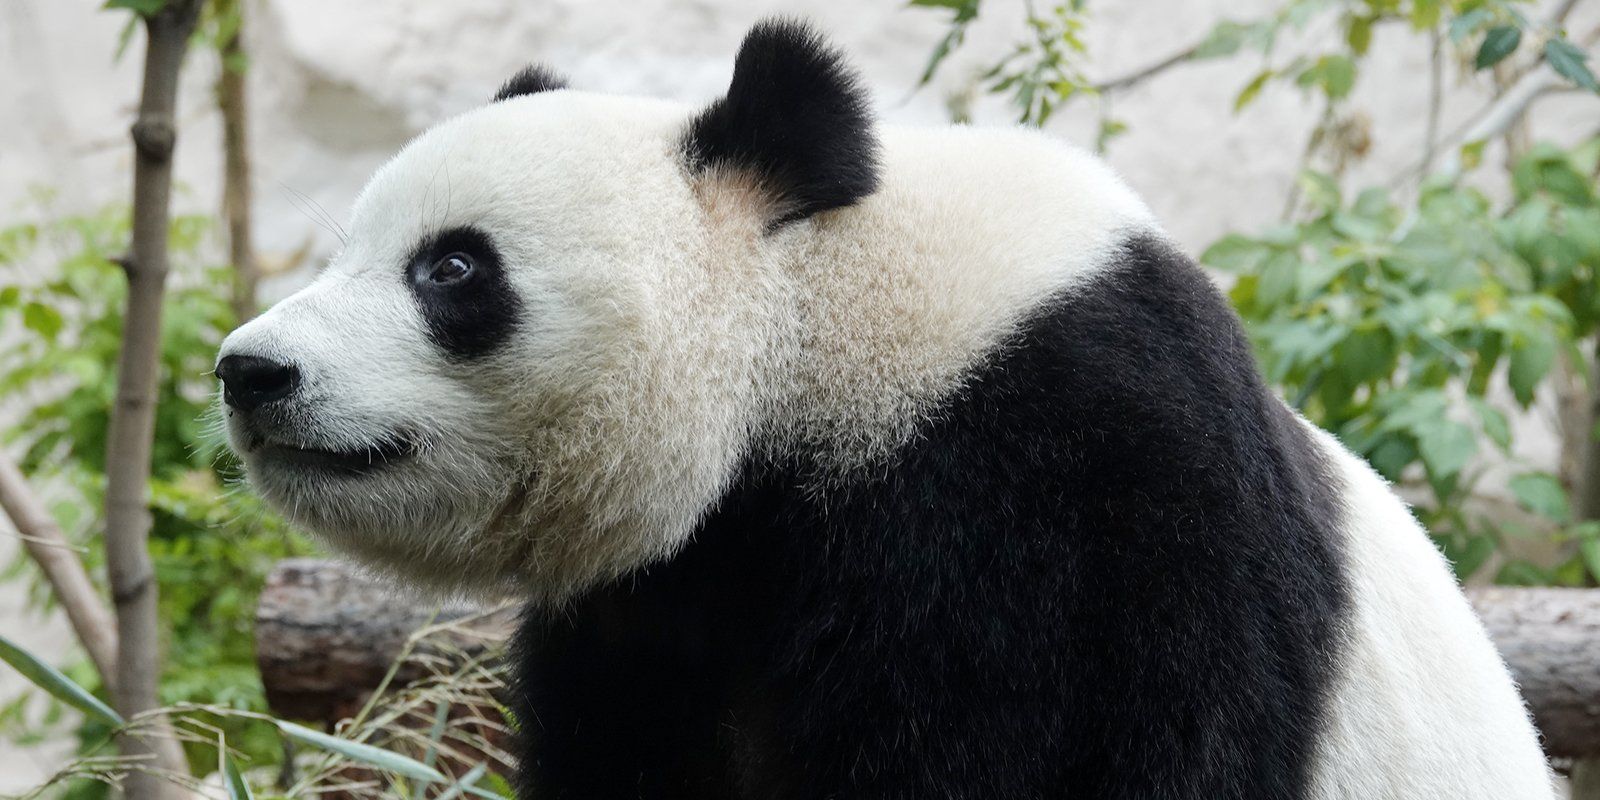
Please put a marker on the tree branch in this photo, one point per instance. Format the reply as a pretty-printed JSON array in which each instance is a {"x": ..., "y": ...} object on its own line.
[
  {"x": 1493, "y": 120},
  {"x": 1430, "y": 136},
  {"x": 1149, "y": 71},
  {"x": 48, "y": 547},
  {"x": 132, "y": 427},
  {"x": 232, "y": 101},
  {"x": 1559, "y": 14}
]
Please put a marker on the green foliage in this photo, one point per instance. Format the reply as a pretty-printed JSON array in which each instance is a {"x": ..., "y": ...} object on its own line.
[
  {"x": 1392, "y": 327},
  {"x": 1392, "y": 322},
  {"x": 58, "y": 685},
  {"x": 211, "y": 545},
  {"x": 1041, "y": 72},
  {"x": 1044, "y": 70}
]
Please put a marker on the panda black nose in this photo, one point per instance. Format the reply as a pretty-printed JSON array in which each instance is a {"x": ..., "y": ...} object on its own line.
[{"x": 249, "y": 382}]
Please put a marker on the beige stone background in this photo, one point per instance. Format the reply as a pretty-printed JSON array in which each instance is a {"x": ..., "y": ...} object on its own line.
[{"x": 338, "y": 85}]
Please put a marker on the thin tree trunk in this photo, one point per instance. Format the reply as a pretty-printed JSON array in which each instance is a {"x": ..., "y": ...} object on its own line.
[
  {"x": 1588, "y": 488},
  {"x": 47, "y": 545},
  {"x": 231, "y": 99},
  {"x": 133, "y": 586}
]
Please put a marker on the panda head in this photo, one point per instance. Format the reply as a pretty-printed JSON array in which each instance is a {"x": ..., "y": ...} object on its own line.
[{"x": 547, "y": 343}]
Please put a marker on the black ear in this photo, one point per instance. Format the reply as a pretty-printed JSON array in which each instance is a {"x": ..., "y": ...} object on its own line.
[
  {"x": 533, "y": 79},
  {"x": 795, "y": 118}
]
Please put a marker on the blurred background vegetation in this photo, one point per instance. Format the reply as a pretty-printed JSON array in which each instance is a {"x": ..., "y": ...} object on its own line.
[{"x": 1414, "y": 317}]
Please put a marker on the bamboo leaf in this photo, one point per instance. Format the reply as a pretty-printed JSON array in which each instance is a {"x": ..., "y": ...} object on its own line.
[
  {"x": 1251, "y": 89},
  {"x": 441, "y": 716},
  {"x": 365, "y": 753},
  {"x": 59, "y": 686},
  {"x": 466, "y": 782},
  {"x": 237, "y": 788}
]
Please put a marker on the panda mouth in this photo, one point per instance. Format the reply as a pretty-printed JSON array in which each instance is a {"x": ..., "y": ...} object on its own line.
[{"x": 358, "y": 461}]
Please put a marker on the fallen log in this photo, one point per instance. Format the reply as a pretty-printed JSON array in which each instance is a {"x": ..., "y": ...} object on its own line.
[
  {"x": 326, "y": 635},
  {"x": 1551, "y": 640}
]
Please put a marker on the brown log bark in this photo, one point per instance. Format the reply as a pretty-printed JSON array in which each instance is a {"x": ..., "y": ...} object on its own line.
[
  {"x": 132, "y": 427},
  {"x": 1551, "y": 640},
  {"x": 325, "y": 636}
]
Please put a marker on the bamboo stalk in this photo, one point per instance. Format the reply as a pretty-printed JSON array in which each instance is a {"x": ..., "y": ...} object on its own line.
[{"x": 132, "y": 427}]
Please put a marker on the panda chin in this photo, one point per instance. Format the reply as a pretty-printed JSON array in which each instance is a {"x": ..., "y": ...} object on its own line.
[{"x": 371, "y": 459}]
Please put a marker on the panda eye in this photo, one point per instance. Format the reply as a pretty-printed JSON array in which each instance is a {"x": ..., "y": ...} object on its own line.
[{"x": 451, "y": 269}]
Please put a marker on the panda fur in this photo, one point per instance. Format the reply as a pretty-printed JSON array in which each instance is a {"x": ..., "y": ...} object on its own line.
[{"x": 839, "y": 460}]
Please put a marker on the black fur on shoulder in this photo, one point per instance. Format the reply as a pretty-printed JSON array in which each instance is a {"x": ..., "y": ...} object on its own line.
[
  {"x": 1109, "y": 568},
  {"x": 532, "y": 79},
  {"x": 796, "y": 117}
]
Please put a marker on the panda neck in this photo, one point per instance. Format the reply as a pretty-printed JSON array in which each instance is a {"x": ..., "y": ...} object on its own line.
[{"x": 891, "y": 304}]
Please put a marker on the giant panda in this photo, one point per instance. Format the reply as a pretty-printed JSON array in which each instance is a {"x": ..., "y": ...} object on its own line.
[{"x": 843, "y": 460}]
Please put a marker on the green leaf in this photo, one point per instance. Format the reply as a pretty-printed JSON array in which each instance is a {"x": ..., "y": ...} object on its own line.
[
  {"x": 1466, "y": 558},
  {"x": 1445, "y": 446},
  {"x": 940, "y": 52},
  {"x": 1530, "y": 360},
  {"x": 1109, "y": 129},
  {"x": 1358, "y": 34},
  {"x": 1336, "y": 74},
  {"x": 1541, "y": 493},
  {"x": 1499, "y": 42},
  {"x": 1589, "y": 549},
  {"x": 473, "y": 776},
  {"x": 1248, "y": 94},
  {"x": 59, "y": 686},
  {"x": 1390, "y": 457},
  {"x": 1409, "y": 411},
  {"x": 1366, "y": 355},
  {"x": 1424, "y": 14},
  {"x": 235, "y": 783},
  {"x": 1234, "y": 253},
  {"x": 1567, "y": 60},
  {"x": 1522, "y": 573},
  {"x": 144, "y": 8},
  {"x": 365, "y": 753},
  {"x": 1225, "y": 39},
  {"x": 1277, "y": 279},
  {"x": 42, "y": 319},
  {"x": 1461, "y": 27},
  {"x": 441, "y": 717},
  {"x": 1495, "y": 425},
  {"x": 965, "y": 12},
  {"x": 1322, "y": 191}
]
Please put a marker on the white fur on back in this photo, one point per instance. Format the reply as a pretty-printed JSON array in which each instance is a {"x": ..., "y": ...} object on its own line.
[
  {"x": 898, "y": 297},
  {"x": 1424, "y": 708}
]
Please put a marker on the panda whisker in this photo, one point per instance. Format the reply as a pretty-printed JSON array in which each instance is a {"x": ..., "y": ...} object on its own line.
[{"x": 315, "y": 212}]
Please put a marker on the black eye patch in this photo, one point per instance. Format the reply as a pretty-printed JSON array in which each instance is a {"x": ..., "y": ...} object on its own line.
[{"x": 460, "y": 286}]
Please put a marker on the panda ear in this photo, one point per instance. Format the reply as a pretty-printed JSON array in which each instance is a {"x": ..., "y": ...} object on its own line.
[
  {"x": 795, "y": 120},
  {"x": 532, "y": 79}
]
